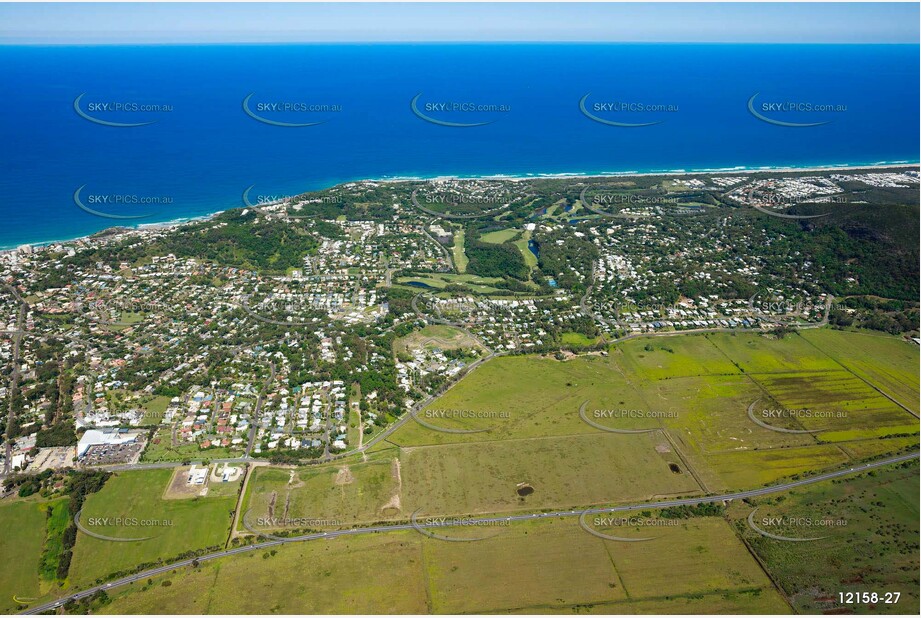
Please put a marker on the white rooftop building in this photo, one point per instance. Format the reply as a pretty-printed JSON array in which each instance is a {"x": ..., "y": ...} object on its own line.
[{"x": 98, "y": 437}]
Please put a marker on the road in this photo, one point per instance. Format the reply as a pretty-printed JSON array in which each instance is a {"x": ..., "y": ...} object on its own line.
[
  {"x": 421, "y": 405},
  {"x": 259, "y": 401},
  {"x": 328, "y": 457},
  {"x": 444, "y": 250},
  {"x": 752, "y": 493},
  {"x": 14, "y": 379},
  {"x": 441, "y": 215}
]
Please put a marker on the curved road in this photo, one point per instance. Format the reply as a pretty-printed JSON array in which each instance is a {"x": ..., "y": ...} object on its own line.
[
  {"x": 409, "y": 526},
  {"x": 434, "y": 213}
]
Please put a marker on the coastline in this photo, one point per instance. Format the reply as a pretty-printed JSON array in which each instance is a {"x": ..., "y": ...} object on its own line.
[
  {"x": 741, "y": 170},
  {"x": 629, "y": 174}
]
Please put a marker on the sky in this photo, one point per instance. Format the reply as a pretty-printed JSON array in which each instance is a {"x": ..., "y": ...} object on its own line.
[{"x": 106, "y": 23}]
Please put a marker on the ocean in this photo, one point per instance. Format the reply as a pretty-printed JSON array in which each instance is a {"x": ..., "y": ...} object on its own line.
[{"x": 418, "y": 110}]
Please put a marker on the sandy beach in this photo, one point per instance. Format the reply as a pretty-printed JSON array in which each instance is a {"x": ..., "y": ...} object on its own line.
[{"x": 573, "y": 176}]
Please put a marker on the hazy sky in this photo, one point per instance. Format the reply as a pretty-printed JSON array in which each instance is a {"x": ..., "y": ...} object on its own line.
[{"x": 369, "y": 22}]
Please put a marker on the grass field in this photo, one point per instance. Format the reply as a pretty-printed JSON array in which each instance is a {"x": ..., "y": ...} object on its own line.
[
  {"x": 760, "y": 354},
  {"x": 154, "y": 409},
  {"x": 23, "y": 525},
  {"x": 867, "y": 530},
  {"x": 174, "y": 526},
  {"x": 499, "y": 236},
  {"x": 435, "y": 336},
  {"x": 527, "y": 397},
  {"x": 339, "y": 494},
  {"x": 367, "y": 575},
  {"x": 701, "y": 388},
  {"x": 564, "y": 472},
  {"x": 890, "y": 364},
  {"x": 674, "y": 357},
  {"x": 529, "y": 258},
  {"x": 57, "y": 519},
  {"x": 535, "y": 567},
  {"x": 837, "y": 402},
  {"x": 693, "y": 392},
  {"x": 470, "y": 478},
  {"x": 578, "y": 340},
  {"x": 441, "y": 280},
  {"x": 460, "y": 256},
  {"x": 702, "y": 554}
]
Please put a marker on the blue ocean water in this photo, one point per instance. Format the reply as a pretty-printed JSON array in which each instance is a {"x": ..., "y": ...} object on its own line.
[{"x": 201, "y": 150}]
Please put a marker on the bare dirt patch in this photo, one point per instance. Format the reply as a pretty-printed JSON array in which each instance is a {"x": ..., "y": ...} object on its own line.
[
  {"x": 344, "y": 476},
  {"x": 395, "y": 504},
  {"x": 294, "y": 481},
  {"x": 179, "y": 488}
]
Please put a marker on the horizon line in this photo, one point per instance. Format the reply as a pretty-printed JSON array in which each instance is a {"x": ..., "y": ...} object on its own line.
[{"x": 13, "y": 43}]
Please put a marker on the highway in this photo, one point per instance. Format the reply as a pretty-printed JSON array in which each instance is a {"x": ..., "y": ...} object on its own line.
[{"x": 752, "y": 493}]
